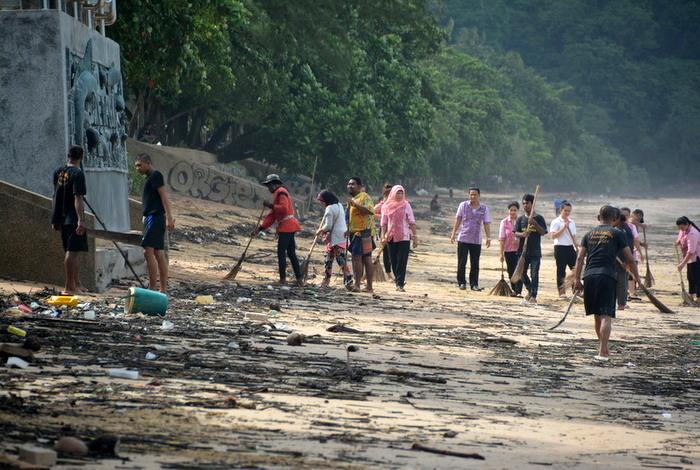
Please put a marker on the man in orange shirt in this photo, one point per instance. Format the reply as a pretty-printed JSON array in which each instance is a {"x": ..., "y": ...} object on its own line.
[{"x": 282, "y": 212}]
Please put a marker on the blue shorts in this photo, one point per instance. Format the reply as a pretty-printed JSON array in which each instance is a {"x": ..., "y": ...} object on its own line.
[
  {"x": 362, "y": 244},
  {"x": 154, "y": 231}
]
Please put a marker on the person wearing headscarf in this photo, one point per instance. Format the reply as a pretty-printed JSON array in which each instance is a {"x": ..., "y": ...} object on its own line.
[
  {"x": 689, "y": 241},
  {"x": 333, "y": 228},
  {"x": 398, "y": 229},
  {"x": 282, "y": 212},
  {"x": 386, "y": 259}
]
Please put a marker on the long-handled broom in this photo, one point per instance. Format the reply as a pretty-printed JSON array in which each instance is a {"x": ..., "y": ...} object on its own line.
[
  {"x": 687, "y": 299},
  {"x": 648, "y": 277},
  {"x": 237, "y": 267},
  {"x": 377, "y": 267},
  {"x": 305, "y": 263},
  {"x": 652, "y": 298},
  {"x": 502, "y": 287},
  {"x": 520, "y": 268}
]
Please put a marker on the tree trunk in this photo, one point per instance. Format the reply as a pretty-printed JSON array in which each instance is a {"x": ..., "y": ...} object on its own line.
[{"x": 217, "y": 137}]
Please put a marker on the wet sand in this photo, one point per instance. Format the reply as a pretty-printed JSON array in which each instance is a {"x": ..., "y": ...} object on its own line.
[{"x": 453, "y": 370}]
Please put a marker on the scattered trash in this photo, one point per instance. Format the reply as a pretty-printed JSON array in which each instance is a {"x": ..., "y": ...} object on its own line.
[
  {"x": 432, "y": 450},
  {"x": 17, "y": 362},
  {"x": 149, "y": 302},
  {"x": 16, "y": 331},
  {"x": 71, "y": 446},
  {"x": 167, "y": 325},
  {"x": 89, "y": 315},
  {"x": 666, "y": 415},
  {"x": 450, "y": 434},
  {"x": 24, "y": 309},
  {"x": 252, "y": 316},
  {"x": 34, "y": 305},
  {"x": 340, "y": 328},
  {"x": 241, "y": 300},
  {"x": 283, "y": 327},
  {"x": 63, "y": 301},
  {"x": 276, "y": 306},
  {"x": 124, "y": 373},
  {"x": 106, "y": 445},
  {"x": 233, "y": 345},
  {"x": 204, "y": 299},
  {"x": 295, "y": 339},
  {"x": 13, "y": 350},
  {"x": 37, "y": 456},
  {"x": 151, "y": 356}
]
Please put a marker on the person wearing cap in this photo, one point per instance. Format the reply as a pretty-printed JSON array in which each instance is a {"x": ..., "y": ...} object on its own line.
[{"x": 282, "y": 212}]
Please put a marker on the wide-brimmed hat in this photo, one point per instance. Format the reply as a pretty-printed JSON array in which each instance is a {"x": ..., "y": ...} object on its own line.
[{"x": 273, "y": 178}]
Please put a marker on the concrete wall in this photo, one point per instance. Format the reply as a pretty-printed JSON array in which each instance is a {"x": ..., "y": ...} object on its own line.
[
  {"x": 29, "y": 248},
  {"x": 196, "y": 178},
  {"x": 40, "y": 55}
]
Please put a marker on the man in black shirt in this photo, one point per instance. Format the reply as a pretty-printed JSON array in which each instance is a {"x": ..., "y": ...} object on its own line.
[
  {"x": 69, "y": 215},
  {"x": 156, "y": 218},
  {"x": 600, "y": 248},
  {"x": 531, "y": 227}
]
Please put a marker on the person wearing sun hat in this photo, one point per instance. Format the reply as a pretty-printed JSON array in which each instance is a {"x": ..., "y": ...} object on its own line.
[{"x": 282, "y": 212}]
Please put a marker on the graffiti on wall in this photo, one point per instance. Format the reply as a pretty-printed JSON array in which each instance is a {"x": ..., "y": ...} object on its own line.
[
  {"x": 205, "y": 183},
  {"x": 97, "y": 116}
]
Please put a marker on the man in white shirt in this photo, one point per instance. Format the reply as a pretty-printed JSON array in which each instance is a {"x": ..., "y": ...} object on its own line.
[{"x": 563, "y": 232}]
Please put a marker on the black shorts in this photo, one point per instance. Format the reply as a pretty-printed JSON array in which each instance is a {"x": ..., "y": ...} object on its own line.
[
  {"x": 71, "y": 240},
  {"x": 600, "y": 295},
  {"x": 154, "y": 231}
]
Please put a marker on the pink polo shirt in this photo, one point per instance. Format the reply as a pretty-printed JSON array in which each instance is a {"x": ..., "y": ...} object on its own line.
[
  {"x": 402, "y": 233},
  {"x": 690, "y": 242},
  {"x": 506, "y": 234}
]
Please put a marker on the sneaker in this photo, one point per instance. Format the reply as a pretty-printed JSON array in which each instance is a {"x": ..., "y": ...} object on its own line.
[
  {"x": 462, "y": 287},
  {"x": 524, "y": 302},
  {"x": 533, "y": 300},
  {"x": 477, "y": 288},
  {"x": 400, "y": 289}
]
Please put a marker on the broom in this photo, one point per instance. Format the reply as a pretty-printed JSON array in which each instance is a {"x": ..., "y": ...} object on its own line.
[
  {"x": 520, "y": 268},
  {"x": 648, "y": 277},
  {"x": 377, "y": 267},
  {"x": 687, "y": 299},
  {"x": 234, "y": 270},
  {"x": 502, "y": 288},
  {"x": 305, "y": 264},
  {"x": 657, "y": 303}
]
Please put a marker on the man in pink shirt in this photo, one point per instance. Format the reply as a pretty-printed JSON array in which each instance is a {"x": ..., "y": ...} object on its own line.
[{"x": 471, "y": 215}]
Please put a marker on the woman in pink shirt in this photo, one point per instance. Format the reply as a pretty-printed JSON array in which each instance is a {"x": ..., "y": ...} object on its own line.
[
  {"x": 509, "y": 244},
  {"x": 386, "y": 260},
  {"x": 689, "y": 241},
  {"x": 398, "y": 229}
]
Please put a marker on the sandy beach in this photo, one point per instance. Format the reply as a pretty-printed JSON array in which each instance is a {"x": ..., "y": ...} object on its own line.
[{"x": 449, "y": 369}]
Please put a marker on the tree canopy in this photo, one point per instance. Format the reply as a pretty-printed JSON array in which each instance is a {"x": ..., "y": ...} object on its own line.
[{"x": 577, "y": 95}]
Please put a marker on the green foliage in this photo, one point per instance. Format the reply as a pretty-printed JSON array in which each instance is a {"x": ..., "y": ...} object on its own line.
[{"x": 575, "y": 95}]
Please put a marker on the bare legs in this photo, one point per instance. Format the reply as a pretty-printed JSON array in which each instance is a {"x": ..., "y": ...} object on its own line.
[
  {"x": 360, "y": 264},
  {"x": 71, "y": 264},
  {"x": 603, "y": 328},
  {"x": 157, "y": 264}
]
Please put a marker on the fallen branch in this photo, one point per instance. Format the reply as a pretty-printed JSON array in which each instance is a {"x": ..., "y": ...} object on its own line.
[{"x": 451, "y": 453}]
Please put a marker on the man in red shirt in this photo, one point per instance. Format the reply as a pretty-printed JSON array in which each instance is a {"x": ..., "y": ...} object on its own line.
[{"x": 282, "y": 212}]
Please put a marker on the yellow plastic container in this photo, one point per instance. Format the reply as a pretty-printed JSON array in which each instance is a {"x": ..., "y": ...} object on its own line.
[
  {"x": 61, "y": 300},
  {"x": 16, "y": 331}
]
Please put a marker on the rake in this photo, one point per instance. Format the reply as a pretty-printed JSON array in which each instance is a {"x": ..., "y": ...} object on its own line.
[
  {"x": 648, "y": 277},
  {"x": 237, "y": 267},
  {"x": 502, "y": 287},
  {"x": 520, "y": 268},
  {"x": 305, "y": 264},
  {"x": 687, "y": 299}
]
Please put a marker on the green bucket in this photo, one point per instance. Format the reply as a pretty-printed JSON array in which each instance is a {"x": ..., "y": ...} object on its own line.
[{"x": 146, "y": 301}]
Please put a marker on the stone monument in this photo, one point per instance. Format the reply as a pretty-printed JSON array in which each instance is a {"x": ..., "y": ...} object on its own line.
[{"x": 61, "y": 85}]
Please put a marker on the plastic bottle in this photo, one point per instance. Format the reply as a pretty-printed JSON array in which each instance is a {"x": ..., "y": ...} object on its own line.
[
  {"x": 16, "y": 331},
  {"x": 124, "y": 373},
  {"x": 17, "y": 362}
]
